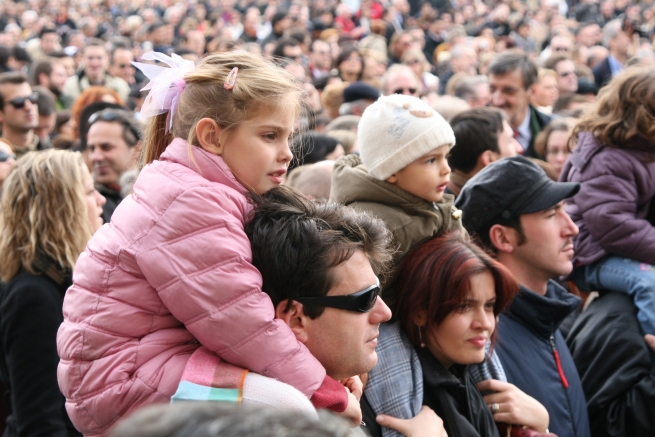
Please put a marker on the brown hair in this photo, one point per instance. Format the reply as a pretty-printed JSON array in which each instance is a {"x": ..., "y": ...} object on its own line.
[
  {"x": 625, "y": 108},
  {"x": 260, "y": 86},
  {"x": 557, "y": 125}
]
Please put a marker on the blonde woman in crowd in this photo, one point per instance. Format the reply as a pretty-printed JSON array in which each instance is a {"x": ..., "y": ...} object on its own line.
[{"x": 48, "y": 212}]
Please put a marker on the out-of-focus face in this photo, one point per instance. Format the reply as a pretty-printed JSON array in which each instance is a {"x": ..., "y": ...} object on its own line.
[
  {"x": 49, "y": 42},
  {"x": 507, "y": 144},
  {"x": 18, "y": 119},
  {"x": 466, "y": 62},
  {"x": 57, "y": 78},
  {"x": 508, "y": 93},
  {"x": 344, "y": 341},
  {"x": 122, "y": 65},
  {"x": 482, "y": 96},
  {"x": 95, "y": 62},
  {"x": 403, "y": 82},
  {"x": 462, "y": 336},
  {"x": 561, "y": 45},
  {"x": 567, "y": 81},
  {"x": 546, "y": 92},
  {"x": 69, "y": 64},
  {"x": 46, "y": 125},
  {"x": 321, "y": 55},
  {"x": 557, "y": 150}
]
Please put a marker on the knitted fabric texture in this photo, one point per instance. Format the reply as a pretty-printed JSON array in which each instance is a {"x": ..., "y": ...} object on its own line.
[{"x": 397, "y": 130}]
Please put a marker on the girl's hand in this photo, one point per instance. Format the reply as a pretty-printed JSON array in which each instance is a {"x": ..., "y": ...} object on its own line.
[
  {"x": 514, "y": 406},
  {"x": 353, "y": 411},
  {"x": 354, "y": 385},
  {"x": 425, "y": 424}
]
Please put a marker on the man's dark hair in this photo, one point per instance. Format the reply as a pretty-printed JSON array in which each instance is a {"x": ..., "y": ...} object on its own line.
[
  {"x": 296, "y": 243},
  {"x": 132, "y": 130},
  {"x": 46, "y": 30},
  {"x": 42, "y": 66},
  {"x": 511, "y": 61},
  {"x": 14, "y": 78},
  {"x": 476, "y": 131},
  {"x": 46, "y": 102},
  {"x": 282, "y": 44}
]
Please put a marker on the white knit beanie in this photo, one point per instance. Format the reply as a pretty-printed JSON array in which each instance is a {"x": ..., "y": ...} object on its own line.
[{"x": 397, "y": 130}]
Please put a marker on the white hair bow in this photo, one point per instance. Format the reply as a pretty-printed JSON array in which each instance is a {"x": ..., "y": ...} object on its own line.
[{"x": 165, "y": 84}]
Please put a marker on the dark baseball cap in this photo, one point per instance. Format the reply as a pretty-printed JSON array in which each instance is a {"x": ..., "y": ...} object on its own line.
[
  {"x": 506, "y": 189},
  {"x": 360, "y": 90}
]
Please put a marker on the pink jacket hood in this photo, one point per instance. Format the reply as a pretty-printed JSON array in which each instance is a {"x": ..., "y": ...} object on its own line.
[{"x": 172, "y": 270}]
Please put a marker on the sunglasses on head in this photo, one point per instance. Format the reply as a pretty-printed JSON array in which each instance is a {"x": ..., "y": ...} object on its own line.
[
  {"x": 409, "y": 90},
  {"x": 4, "y": 156},
  {"x": 19, "y": 102},
  {"x": 360, "y": 302},
  {"x": 114, "y": 116}
]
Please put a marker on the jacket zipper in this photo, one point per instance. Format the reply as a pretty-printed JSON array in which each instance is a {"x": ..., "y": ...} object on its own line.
[{"x": 558, "y": 363}]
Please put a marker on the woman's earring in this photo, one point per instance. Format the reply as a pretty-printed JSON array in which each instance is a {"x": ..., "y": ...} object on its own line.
[{"x": 420, "y": 337}]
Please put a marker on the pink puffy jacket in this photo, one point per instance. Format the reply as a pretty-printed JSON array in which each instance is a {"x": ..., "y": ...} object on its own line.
[{"x": 171, "y": 269}]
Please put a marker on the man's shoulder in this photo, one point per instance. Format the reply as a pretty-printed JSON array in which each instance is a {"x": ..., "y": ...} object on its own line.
[{"x": 542, "y": 119}]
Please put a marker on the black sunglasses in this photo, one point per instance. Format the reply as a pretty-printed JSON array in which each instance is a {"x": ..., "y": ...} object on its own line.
[
  {"x": 4, "y": 156},
  {"x": 360, "y": 302},
  {"x": 19, "y": 102},
  {"x": 410, "y": 90},
  {"x": 114, "y": 116}
]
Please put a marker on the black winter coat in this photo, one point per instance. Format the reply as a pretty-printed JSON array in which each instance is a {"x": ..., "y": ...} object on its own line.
[
  {"x": 30, "y": 315},
  {"x": 617, "y": 373}
]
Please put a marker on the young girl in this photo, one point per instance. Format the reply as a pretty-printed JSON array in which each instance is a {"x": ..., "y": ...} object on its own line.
[
  {"x": 614, "y": 161},
  {"x": 172, "y": 271}
]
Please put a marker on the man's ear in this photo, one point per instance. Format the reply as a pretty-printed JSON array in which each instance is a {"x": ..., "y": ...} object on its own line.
[
  {"x": 295, "y": 318},
  {"x": 486, "y": 158},
  {"x": 503, "y": 238},
  {"x": 533, "y": 89},
  {"x": 136, "y": 152},
  {"x": 207, "y": 131}
]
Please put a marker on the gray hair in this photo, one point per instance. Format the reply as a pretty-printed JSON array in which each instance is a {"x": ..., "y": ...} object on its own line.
[
  {"x": 466, "y": 88},
  {"x": 214, "y": 419},
  {"x": 511, "y": 61},
  {"x": 611, "y": 31}
]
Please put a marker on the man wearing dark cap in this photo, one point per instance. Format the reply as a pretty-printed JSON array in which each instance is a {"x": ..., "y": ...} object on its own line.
[
  {"x": 357, "y": 97},
  {"x": 517, "y": 212}
]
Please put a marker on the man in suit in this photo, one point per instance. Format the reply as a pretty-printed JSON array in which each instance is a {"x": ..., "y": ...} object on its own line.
[
  {"x": 617, "y": 39},
  {"x": 512, "y": 75}
]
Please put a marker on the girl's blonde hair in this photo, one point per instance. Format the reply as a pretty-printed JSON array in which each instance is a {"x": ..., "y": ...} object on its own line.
[
  {"x": 43, "y": 211},
  {"x": 260, "y": 87},
  {"x": 625, "y": 108}
]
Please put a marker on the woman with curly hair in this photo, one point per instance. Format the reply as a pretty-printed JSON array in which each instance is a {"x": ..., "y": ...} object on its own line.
[
  {"x": 48, "y": 212},
  {"x": 615, "y": 163}
]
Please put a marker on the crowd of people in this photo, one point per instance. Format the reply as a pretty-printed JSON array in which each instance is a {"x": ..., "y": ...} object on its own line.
[{"x": 429, "y": 217}]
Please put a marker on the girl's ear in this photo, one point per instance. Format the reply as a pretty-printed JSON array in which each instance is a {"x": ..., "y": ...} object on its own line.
[{"x": 207, "y": 131}]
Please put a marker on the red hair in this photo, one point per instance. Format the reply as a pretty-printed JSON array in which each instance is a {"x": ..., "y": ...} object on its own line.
[{"x": 435, "y": 277}]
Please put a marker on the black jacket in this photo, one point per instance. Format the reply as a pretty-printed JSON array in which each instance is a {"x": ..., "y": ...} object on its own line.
[
  {"x": 113, "y": 199},
  {"x": 602, "y": 72},
  {"x": 527, "y": 332},
  {"x": 617, "y": 373},
  {"x": 538, "y": 121},
  {"x": 30, "y": 315},
  {"x": 456, "y": 399}
]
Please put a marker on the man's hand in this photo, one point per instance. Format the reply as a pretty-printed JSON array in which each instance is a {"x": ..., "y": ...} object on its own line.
[
  {"x": 514, "y": 406},
  {"x": 650, "y": 341},
  {"x": 353, "y": 411},
  {"x": 425, "y": 424}
]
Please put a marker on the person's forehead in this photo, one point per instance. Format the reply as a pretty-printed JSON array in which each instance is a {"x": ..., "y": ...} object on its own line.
[
  {"x": 352, "y": 275},
  {"x": 94, "y": 51},
  {"x": 123, "y": 55},
  {"x": 402, "y": 78},
  {"x": 512, "y": 78},
  {"x": 11, "y": 90},
  {"x": 105, "y": 131}
]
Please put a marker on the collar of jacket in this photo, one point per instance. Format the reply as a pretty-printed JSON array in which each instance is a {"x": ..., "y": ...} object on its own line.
[
  {"x": 210, "y": 166},
  {"x": 352, "y": 183},
  {"x": 542, "y": 314},
  {"x": 45, "y": 265},
  {"x": 436, "y": 375}
]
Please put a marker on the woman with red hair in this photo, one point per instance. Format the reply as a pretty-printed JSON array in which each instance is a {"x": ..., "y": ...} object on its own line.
[{"x": 450, "y": 293}]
